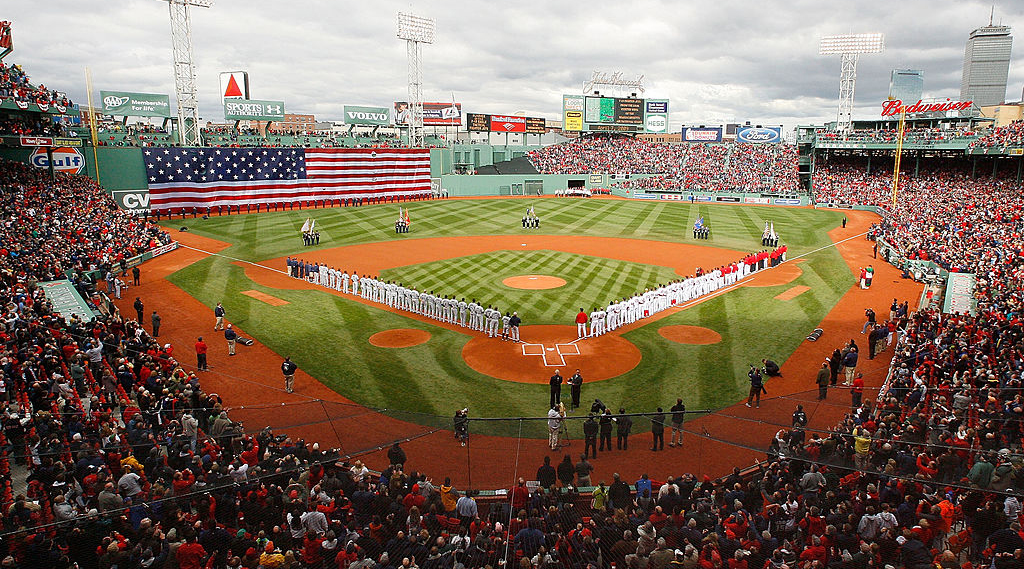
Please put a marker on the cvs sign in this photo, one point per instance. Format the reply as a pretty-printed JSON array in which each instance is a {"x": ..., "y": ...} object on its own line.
[
  {"x": 134, "y": 201},
  {"x": 65, "y": 159}
]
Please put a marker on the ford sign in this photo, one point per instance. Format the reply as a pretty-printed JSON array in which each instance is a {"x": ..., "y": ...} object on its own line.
[{"x": 759, "y": 135}]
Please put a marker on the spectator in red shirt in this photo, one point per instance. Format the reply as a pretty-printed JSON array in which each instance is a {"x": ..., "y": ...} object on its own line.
[
  {"x": 190, "y": 554},
  {"x": 201, "y": 355}
]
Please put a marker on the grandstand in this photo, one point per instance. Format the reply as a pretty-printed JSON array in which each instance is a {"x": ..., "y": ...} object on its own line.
[{"x": 115, "y": 453}]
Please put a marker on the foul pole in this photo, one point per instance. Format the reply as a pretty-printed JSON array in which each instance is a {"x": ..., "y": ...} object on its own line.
[{"x": 899, "y": 155}]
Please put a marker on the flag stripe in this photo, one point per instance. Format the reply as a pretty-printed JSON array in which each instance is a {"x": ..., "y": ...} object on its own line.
[{"x": 210, "y": 177}]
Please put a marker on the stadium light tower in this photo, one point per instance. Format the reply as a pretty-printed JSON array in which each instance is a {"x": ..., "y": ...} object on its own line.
[
  {"x": 849, "y": 47},
  {"x": 416, "y": 31},
  {"x": 185, "y": 69}
]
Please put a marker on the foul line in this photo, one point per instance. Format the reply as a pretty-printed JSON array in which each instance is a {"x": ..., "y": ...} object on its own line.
[{"x": 232, "y": 258}]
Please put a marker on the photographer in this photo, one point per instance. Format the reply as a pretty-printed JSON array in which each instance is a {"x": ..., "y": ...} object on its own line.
[
  {"x": 555, "y": 416},
  {"x": 756, "y": 386}
]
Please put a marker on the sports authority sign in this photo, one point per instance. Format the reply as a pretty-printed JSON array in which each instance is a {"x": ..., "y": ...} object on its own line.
[
  {"x": 366, "y": 115},
  {"x": 252, "y": 109},
  {"x": 65, "y": 159},
  {"x": 896, "y": 106},
  {"x": 125, "y": 104}
]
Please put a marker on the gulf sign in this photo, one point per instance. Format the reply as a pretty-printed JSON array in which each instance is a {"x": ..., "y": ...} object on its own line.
[
  {"x": 65, "y": 159},
  {"x": 759, "y": 134},
  {"x": 702, "y": 134}
]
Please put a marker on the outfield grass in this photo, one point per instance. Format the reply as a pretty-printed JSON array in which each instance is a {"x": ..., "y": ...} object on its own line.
[{"x": 327, "y": 335}]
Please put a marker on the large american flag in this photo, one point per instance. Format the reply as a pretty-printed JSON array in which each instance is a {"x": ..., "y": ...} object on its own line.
[{"x": 210, "y": 177}]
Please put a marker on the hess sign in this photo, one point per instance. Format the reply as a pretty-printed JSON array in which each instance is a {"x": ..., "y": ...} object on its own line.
[{"x": 896, "y": 106}]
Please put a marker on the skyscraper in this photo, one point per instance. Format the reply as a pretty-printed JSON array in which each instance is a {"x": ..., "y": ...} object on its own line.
[
  {"x": 907, "y": 85},
  {"x": 986, "y": 64}
]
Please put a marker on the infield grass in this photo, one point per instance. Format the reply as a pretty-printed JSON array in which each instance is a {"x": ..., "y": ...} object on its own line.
[{"x": 327, "y": 335}]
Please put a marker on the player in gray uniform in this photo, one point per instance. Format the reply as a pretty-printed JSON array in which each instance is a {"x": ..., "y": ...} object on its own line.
[
  {"x": 493, "y": 323},
  {"x": 478, "y": 317},
  {"x": 344, "y": 281},
  {"x": 462, "y": 312},
  {"x": 504, "y": 326}
]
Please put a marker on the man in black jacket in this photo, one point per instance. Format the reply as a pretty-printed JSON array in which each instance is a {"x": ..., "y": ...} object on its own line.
[
  {"x": 606, "y": 429},
  {"x": 590, "y": 427},
  {"x": 288, "y": 368},
  {"x": 658, "y": 430},
  {"x": 619, "y": 493},
  {"x": 623, "y": 424},
  {"x": 546, "y": 474},
  {"x": 678, "y": 415}
]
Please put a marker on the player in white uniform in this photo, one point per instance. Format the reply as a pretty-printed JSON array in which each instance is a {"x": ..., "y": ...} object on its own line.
[
  {"x": 596, "y": 322},
  {"x": 463, "y": 305},
  {"x": 504, "y": 326},
  {"x": 355, "y": 283}
]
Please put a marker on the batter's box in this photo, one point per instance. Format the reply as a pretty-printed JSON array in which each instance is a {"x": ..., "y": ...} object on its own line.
[
  {"x": 533, "y": 349},
  {"x": 552, "y": 356}
]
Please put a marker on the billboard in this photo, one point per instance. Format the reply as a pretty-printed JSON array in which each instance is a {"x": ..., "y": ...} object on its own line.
[
  {"x": 434, "y": 114},
  {"x": 234, "y": 85},
  {"x": 702, "y": 134},
  {"x": 366, "y": 115},
  {"x": 127, "y": 104},
  {"x": 476, "y": 122},
  {"x": 656, "y": 115},
  {"x": 65, "y": 159},
  {"x": 572, "y": 112},
  {"x": 759, "y": 134},
  {"x": 253, "y": 109}
]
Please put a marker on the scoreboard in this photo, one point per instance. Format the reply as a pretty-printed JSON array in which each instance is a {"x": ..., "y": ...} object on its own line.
[{"x": 614, "y": 114}]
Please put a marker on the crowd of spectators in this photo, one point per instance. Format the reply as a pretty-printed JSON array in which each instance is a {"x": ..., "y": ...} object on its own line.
[
  {"x": 15, "y": 84},
  {"x": 735, "y": 167},
  {"x": 1004, "y": 136},
  {"x": 920, "y": 135},
  {"x": 134, "y": 465}
]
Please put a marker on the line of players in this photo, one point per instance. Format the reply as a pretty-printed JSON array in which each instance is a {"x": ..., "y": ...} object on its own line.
[
  {"x": 490, "y": 320},
  {"x": 652, "y": 301},
  {"x": 443, "y": 308}
]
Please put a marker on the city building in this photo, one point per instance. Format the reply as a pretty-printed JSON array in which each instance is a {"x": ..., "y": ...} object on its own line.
[
  {"x": 906, "y": 85},
  {"x": 986, "y": 65}
]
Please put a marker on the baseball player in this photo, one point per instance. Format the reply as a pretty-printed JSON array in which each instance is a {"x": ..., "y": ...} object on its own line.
[
  {"x": 596, "y": 322},
  {"x": 355, "y": 282},
  {"x": 505, "y": 326},
  {"x": 462, "y": 312}
]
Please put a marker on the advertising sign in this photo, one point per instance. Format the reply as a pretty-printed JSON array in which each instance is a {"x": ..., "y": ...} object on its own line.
[
  {"x": 728, "y": 199},
  {"x": 66, "y": 300},
  {"x": 65, "y": 159},
  {"x": 896, "y": 106},
  {"x": 133, "y": 201},
  {"x": 36, "y": 141},
  {"x": 504, "y": 123},
  {"x": 126, "y": 104},
  {"x": 596, "y": 179},
  {"x": 366, "y": 115},
  {"x": 234, "y": 85},
  {"x": 756, "y": 200},
  {"x": 759, "y": 134},
  {"x": 536, "y": 125},
  {"x": 252, "y": 109},
  {"x": 656, "y": 115},
  {"x": 787, "y": 201},
  {"x": 693, "y": 134},
  {"x": 672, "y": 197},
  {"x": 476, "y": 122},
  {"x": 641, "y": 196},
  {"x": 434, "y": 114},
  {"x": 572, "y": 112}
]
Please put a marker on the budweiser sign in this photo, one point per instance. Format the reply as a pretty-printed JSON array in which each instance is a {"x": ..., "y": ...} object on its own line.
[{"x": 895, "y": 107}]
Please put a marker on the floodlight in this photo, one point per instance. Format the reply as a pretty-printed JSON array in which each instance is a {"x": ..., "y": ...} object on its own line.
[
  {"x": 185, "y": 86},
  {"x": 852, "y": 43},
  {"x": 849, "y": 47},
  {"x": 415, "y": 28}
]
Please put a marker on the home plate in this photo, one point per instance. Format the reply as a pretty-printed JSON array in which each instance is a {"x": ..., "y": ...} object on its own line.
[
  {"x": 524, "y": 244},
  {"x": 533, "y": 278}
]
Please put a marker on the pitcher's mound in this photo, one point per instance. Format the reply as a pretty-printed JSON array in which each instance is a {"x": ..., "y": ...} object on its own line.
[
  {"x": 690, "y": 335},
  {"x": 534, "y": 282},
  {"x": 545, "y": 349},
  {"x": 399, "y": 338}
]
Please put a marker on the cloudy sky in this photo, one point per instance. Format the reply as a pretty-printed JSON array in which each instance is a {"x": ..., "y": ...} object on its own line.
[{"x": 716, "y": 61}]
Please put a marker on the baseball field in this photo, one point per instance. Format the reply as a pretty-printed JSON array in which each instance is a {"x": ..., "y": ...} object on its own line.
[{"x": 603, "y": 249}]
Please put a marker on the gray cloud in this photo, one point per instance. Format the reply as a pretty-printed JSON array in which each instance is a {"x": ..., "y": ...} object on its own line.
[{"x": 724, "y": 60}]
